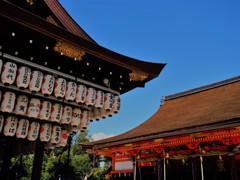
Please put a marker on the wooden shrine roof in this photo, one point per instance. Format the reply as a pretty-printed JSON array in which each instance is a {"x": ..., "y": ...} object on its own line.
[
  {"x": 69, "y": 33},
  {"x": 208, "y": 107}
]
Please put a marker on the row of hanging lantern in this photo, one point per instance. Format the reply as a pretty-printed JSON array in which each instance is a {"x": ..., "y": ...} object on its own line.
[
  {"x": 47, "y": 84},
  {"x": 31, "y": 130},
  {"x": 44, "y": 110}
]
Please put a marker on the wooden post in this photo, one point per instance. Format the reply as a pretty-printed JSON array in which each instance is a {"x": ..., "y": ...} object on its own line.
[
  {"x": 159, "y": 169},
  {"x": 134, "y": 169},
  {"x": 233, "y": 167},
  {"x": 38, "y": 160},
  {"x": 201, "y": 163}
]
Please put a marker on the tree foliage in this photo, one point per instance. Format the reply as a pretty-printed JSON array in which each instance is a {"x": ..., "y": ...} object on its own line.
[{"x": 58, "y": 165}]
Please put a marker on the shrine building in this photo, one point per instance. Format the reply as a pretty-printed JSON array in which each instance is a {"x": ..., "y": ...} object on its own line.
[
  {"x": 194, "y": 135},
  {"x": 55, "y": 80}
]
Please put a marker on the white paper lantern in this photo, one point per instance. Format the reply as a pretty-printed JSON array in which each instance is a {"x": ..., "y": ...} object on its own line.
[
  {"x": 1, "y": 123},
  {"x": 56, "y": 113},
  {"x": 45, "y": 132},
  {"x": 91, "y": 97},
  {"x": 23, "y": 77},
  {"x": 71, "y": 91},
  {"x": 103, "y": 113},
  {"x": 91, "y": 115},
  {"x": 48, "y": 84},
  {"x": 108, "y": 101},
  {"x": 45, "y": 110},
  {"x": 60, "y": 88},
  {"x": 21, "y": 105},
  {"x": 116, "y": 104},
  {"x": 81, "y": 94},
  {"x": 33, "y": 131},
  {"x": 85, "y": 119},
  {"x": 67, "y": 115},
  {"x": 63, "y": 138},
  {"x": 76, "y": 117},
  {"x": 22, "y": 128},
  {"x": 99, "y": 100},
  {"x": 1, "y": 66},
  {"x": 75, "y": 129},
  {"x": 97, "y": 114},
  {"x": 56, "y": 134},
  {"x": 50, "y": 146},
  {"x": 10, "y": 126},
  {"x": 8, "y": 102},
  {"x": 35, "y": 81},
  {"x": 110, "y": 113},
  {"x": 9, "y": 72},
  {"x": 33, "y": 108}
]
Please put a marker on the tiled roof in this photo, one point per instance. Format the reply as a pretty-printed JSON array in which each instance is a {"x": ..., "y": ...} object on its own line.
[{"x": 205, "y": 106}]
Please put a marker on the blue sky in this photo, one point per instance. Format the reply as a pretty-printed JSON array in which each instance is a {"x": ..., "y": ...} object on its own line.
[{"x": 198, "y": 39}]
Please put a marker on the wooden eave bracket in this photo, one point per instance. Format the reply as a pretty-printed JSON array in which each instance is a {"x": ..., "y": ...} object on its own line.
[
  {"x": 137, "y": 76},
  {"x": 69, "y": 50}
]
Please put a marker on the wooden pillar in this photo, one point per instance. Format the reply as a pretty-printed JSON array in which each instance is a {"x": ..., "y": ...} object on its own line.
[
  {"x": 38, "y": 160},
  {"x": 134, "y": 169},
  {"x": 159, "y": 169},
  {"x": 194, "y": 162},
  {"x": 233, "y": 167},
  {"x": 7, "y": 158},
  {"x": 139, "y": 173}
]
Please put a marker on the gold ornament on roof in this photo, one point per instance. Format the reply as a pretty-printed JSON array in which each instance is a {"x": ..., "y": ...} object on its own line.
[
  {"x": 69, "y": 50},
  {"x": 138, "y": 76},
  {"x": 52, "y": 20},
  {"x": 31, "y": 2}
]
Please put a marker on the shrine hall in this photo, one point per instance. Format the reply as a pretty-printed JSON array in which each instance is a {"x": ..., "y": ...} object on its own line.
[
  {"x": 55, "y": 80},
  {"x": 194, "y": 135}
]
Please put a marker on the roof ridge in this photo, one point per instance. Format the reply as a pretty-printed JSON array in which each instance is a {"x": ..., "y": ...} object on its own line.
[{"x": 202, "y": 88}]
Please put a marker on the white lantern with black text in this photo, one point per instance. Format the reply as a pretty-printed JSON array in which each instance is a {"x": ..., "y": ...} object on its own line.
[
  {"x": 22, "y": 128},
  {"x": 21, "y": 105},
  {"x": 116, "y": 104},
  {"x": 71, "y": 91},
  {"x": 85, "y": 119},
  {"x": 91, "y": 115},
  {"x": 45, "y": 132},
  {"x": 99, "y": 100},
  {"x": 48, "y": 84},
  {"x": 45, "y": 110},
  {"x": 91, "y": 97},
  {"x": 97, "y": 114},
  {"x": 1, "y": 63},
  {"x": 35, "y": 81},
  {"x": 10, "y": 126},
  {"x": 67, "y": 115},
  {"x": 63, "y": 138},
  {"x": 60, "y": 88},
  {"x": 23, "y": 77},
  {"x": 33, "y": 108},
  {"x": 76, "y": 117},
  {"x": 103, "y": 113},
  {"x": 1, "y": 123},
  {"x": 81, "y": 94},
  {"x": 33, "y": 131},
  {"x": 108, "y": 101},
  {"x": 56, "y": 113},
  {"x": 49, "y": 145},
  {"x": 9, "y": 72},
  {"x": 8, "y": 101},
  {"x": 56, "y": 134}
]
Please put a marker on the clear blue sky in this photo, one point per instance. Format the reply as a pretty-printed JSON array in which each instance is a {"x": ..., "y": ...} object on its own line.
[{"x": 198, "y": 39}]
